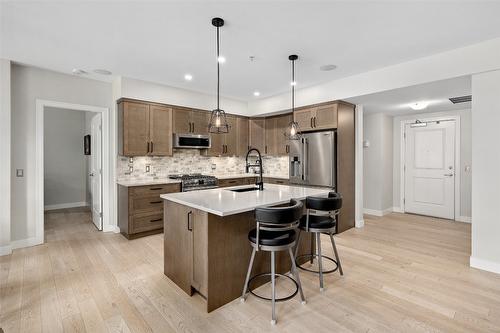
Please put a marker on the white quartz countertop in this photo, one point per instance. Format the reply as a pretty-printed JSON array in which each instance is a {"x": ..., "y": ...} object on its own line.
[
  {"x": 224, "y": 202},
  {"x": 245, "y": 175},
  {"x": 146, "y": 182}
]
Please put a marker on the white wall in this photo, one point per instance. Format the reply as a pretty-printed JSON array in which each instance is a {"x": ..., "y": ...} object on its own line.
[
  {"x": 465, "y": 156},
  {"x": 65, "y": 165},
  {"x": 486, "y": 178},
  {"x": 377, "y": 163},
  {"x": 5, "y": 151},
  {"x": 459, "y": 62},
  {"x": 28, "y": 85},
  {"x": 159, "y": 93}
]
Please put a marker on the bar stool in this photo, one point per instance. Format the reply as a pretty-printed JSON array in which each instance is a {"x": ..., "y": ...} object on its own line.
[
  {"x": 276, "y": 231},
  {"x": 318, "y": 224}
]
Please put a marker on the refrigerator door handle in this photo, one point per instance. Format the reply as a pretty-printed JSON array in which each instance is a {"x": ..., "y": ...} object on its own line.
[{"x": 304, "y": 159}]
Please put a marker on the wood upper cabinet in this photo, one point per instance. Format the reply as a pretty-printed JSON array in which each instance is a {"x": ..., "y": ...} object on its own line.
[
  {"x": 160, "y": 130},
  {"x": 231, "y": 138},
  {"x": 282, "y": 144},
  {"x": 190, "y": 121},
  {"x": 270, "y": 147},
  {"x": 256, "y": 128},
  {"x": 242, "y": 139},
  {"x": 316, "y": 118},
  {"x": 144, "y": 129}
]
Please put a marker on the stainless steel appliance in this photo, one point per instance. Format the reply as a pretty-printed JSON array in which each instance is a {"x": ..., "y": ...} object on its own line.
[
  {"x": 197, "y": 141},
  {"x": 313, "y": 159},
  {"x": 195, "y": 182}
]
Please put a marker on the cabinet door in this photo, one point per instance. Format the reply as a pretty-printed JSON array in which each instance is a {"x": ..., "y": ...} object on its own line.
[
  {"x": 160, "y": 135},
  {"x": 257, "y": 133},
  {"x": 217, "y": 145},
  {"x": 242, "y": 130},
  {"x": 326, "y": 117},
  {"x": 304, "y": 118},
  {"x": 199, "y": 122},
  {"x": 231, "y": 138},
  {"x": 282, "y": 144},
  {"x": 271, "y": 144},
  {"x": 182, "y": 121},
  {"x": 178, "y": 245},
  {"x": 135, "y": 129}
]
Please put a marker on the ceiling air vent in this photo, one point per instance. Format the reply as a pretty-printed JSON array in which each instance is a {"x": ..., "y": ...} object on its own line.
[{"x": 461, "y": 99}]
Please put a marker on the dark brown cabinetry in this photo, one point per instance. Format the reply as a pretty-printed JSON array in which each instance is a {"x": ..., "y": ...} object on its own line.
[
  {"x": 140, "y": 209},
  {"x": 190, "y": 121}
]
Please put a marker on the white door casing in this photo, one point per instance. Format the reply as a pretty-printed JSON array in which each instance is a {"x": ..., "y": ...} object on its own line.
[
  {"x": 430, "y": 169},
  {"x": 96, "y": 170}
]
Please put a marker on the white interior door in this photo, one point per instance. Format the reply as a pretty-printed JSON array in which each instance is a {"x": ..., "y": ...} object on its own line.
[
  {"x": 430, "y": 169},
  {"x": 96, "y": 170}
]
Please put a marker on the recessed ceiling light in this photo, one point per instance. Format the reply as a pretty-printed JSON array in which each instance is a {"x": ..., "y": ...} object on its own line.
[
  {"x": 256, "y": 93},
  {"x": 221, "y": 59},
  {"x": 327, "y": 68},
  {"x": 78, "y": 71},
  {"x": 293, "y": 83},
  {"x": 188, "y": 77},
  {"x": 102, "y": 71},
  {"x": 419, "y": 105}
]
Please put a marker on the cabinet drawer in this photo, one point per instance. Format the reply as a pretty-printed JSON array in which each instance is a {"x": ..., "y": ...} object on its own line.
[
  {"x": 278, "y": 181},
  {"x": 146, "y": 222},
  {"x": 154, "y": 190},
  {"x": 147, "y": 203},
  {"x": 232, "y": 182}
]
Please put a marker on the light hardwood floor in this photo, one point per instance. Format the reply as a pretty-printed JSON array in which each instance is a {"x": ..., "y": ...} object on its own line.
[{"x": 403, "y": 273}]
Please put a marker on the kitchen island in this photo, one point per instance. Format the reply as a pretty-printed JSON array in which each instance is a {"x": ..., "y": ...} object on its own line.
[{"x": 206, "y": 248}]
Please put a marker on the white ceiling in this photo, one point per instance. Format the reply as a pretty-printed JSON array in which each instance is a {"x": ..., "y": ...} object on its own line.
[
  {"x": 160, "y": 42},
  {"x": 397, "y": 102}
]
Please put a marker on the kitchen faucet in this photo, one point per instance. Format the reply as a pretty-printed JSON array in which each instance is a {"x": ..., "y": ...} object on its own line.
[{"x": 257, "y": 163}]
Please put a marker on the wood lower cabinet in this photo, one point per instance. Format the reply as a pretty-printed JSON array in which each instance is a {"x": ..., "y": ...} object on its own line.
[
  {"x": 236, "y": 181},
  {"x": 277, "y": 181},
  {"x": 140, "y": 209},
  {"x": 144, "y": 129}
]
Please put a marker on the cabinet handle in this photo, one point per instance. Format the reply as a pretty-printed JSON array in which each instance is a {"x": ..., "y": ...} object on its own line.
[
  {"x": 279, "y": 182},
  {"x": 193, "y": 127},
  {"x": 265, "y": 149},
  {"x": 156, "y": 188},
  {"x": 232, "y": 181},
  {"x": 155, "y": 220},
  {"x": 148, "y": 146},
  {"x": 151, "y": 146},
  {"x": 155, "y": 202},
  {"x": 314, "y": 121},
  {"x": 189, "y": 226}
]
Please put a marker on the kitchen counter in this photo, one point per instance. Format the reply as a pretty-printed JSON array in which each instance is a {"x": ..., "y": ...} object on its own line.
[
  {"x": 146, "y": 182},
  {"x": 246, "y": 175},
  {"x": 224, "y": 202}
]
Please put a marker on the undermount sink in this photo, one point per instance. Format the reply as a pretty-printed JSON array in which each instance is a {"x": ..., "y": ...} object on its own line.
[{"x": 245, "y": 189}]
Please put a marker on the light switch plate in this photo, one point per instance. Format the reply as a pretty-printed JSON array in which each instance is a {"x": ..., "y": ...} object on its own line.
[{"x": 19, "y": 172}]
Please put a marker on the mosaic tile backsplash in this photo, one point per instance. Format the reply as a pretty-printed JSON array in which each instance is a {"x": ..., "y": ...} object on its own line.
[{"x": 190, "y": 161}]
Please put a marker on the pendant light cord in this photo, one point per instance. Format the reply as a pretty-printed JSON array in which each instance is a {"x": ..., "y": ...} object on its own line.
[
  {"x": 218, "y": 69},
  {"x": 293, "y": 85}
]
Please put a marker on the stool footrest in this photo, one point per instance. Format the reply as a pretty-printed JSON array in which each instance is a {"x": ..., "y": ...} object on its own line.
[
  {"x": 277, "y": 275},
  {"x": 309, "y": 255}
]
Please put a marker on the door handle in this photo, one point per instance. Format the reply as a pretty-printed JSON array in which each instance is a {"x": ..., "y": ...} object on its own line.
[{"x": 448, "y": 175}]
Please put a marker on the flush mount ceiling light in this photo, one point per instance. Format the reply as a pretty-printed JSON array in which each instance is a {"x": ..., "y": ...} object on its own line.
[
  {"x": 188, "y": 77},
  {"x": 218, "y": 122},
  {"x": 293, "y": 131},
  {"x": 221, "y": 59},
  {"x": 326, "y": 68},
  {"x": 256, "y": 93},
  {"x": 419, "y": 105},
  {"x": 78, "y": 71},
  {"x": 102, "y": 71}
]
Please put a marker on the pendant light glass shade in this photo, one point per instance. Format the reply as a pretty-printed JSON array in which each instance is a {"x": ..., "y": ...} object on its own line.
[
  {"x": 293, "y": 130},
  {"x": 218, "y": 122}
]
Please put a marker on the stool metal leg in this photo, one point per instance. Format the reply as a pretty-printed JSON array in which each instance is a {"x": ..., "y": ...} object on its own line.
[
  {"x": 312, "y": 250},
  {"x": 273, "y": 291},
  {"x": 295, "y": 272},
  {"x": 298, "y": 244},
  {"x": 336, "y": 254},
  {"x": 320, "y": 260},
  {"x": 245, "y": 287}
]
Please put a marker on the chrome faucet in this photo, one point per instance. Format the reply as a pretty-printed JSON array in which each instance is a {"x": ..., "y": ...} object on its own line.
[{"x": 259, "y": 164}]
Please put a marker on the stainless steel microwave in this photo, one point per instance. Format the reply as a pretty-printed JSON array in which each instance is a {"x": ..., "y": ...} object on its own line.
[{"x": 196, "y": 141}]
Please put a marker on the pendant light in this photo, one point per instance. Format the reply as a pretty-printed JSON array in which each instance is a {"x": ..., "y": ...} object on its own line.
[
  {"x": 293, "y": 131},
  {"x": 218, "y": 122}
]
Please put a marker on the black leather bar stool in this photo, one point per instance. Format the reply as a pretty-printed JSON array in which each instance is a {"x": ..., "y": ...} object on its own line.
[
  {"x": 318, "y": 224},
  {"x": 276, "y": 231}
]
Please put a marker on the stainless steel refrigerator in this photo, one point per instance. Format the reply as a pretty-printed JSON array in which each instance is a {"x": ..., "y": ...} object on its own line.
[{"x": 313, "y": 160}]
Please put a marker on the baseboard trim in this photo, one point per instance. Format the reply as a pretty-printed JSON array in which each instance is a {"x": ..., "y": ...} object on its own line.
[
  {"x": 5, "y": 250},
  {"x": 375, "y": 212},
  {"x": 485, "y": 265},
  {"x": 397, "y": 210},
  {"x": 359, "y": 223},
  {"x": 110, "y": 228},
  {"x": 66, "y": 205},
  {"x": 17, "y": 244},
  {"x": 465, "y": 219}
]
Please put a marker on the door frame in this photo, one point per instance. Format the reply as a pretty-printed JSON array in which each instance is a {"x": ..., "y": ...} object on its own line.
[
  {"x": 39, "y": 161},
  {"x": 458, "y": 167}
]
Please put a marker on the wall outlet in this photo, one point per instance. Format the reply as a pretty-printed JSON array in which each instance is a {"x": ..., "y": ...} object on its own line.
[
  {"x": 148, "y": 168},
  {"x": 213, "y": 166}
]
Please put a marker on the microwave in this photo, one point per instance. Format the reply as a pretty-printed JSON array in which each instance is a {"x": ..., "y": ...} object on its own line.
[{"x": 195, "y": 141}]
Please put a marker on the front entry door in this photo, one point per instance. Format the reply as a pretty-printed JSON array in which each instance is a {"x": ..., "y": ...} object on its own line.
[
  {"x": 96, "y": 170},
  {"x": 430, "y": 169}
]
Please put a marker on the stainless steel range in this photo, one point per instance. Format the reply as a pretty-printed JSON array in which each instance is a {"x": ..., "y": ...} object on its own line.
[{"x": 195, "y": 182}]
